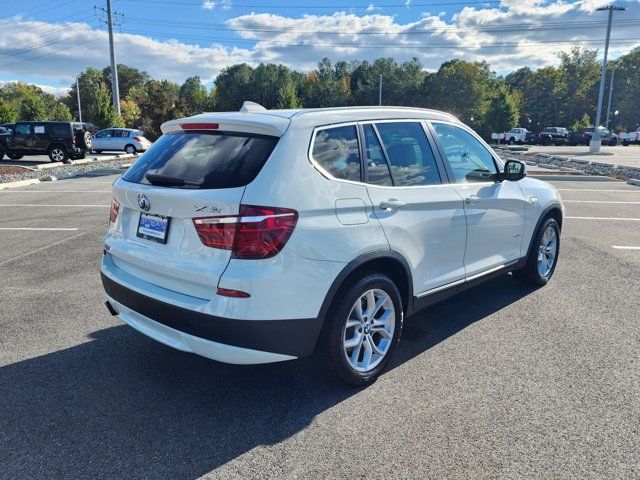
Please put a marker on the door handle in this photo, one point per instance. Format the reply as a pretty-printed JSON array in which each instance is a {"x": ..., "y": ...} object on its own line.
[
  {"x": 471, "y": 199},
  {"x": 392, "y": 203}
]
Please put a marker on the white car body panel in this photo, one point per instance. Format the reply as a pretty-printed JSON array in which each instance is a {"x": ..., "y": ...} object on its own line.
[{"x": 443, "y": 240}]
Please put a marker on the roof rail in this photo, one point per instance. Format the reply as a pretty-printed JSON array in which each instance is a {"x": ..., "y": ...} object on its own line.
[{"x": 252, "y": 107}]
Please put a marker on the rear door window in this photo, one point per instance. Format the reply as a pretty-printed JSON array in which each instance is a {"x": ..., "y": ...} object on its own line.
[
  {"x": 336, "y": 150},
  {"x": 205, "y": 160},
  {"x": 377, "y": 168},
  {"x": 410, "y": 156},
  {"x": 60, "y": 129}
]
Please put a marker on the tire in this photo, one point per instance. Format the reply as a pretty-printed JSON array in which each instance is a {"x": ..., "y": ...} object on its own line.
[
  {"x": 14, "y": 156},
  {"x": 546, "y": 141},
  {"x": 1, "y": 154},
  {"x": 84, "y": 140},
  {"x": 336, "y": 333},
  {"x": 625, "y": 144},
  {"x": 98, "y": 151},
  {"x": 512, "y": 141},
  {"x": 534, "y": 272},
  {"x": 58, "y": 154},
  {"x": 130, "y": 149}
]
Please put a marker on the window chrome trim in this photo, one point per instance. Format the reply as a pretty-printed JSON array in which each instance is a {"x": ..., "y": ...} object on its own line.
[{"x": 328, "y": 175}]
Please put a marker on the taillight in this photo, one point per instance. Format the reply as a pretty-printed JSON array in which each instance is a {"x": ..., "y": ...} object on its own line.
[
  {"x": 227, "y": 292},
  {"x": 255, "y": 233},
  {"x": 113, "y": 213},
  {"x": 136, "y": 139}
]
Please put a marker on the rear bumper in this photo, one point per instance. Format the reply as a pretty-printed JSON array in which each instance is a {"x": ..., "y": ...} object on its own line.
[{"x": 223, "y": 339}]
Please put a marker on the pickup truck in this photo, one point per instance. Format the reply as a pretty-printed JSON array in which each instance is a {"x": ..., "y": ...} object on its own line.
[
  {"x": 630, "y": 137},
  {"x": 515, "y": 135},
  {"x": 583, "y": 136}
]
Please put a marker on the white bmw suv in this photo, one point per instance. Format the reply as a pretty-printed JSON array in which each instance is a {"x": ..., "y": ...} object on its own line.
[{"x": 263, "y": 235}]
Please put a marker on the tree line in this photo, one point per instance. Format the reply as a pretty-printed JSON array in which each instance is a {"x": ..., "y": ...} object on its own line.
[{"x": 563, "y": 95}]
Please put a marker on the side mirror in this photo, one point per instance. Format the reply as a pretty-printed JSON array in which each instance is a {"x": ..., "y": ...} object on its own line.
[{"x": 514, "y": 171}]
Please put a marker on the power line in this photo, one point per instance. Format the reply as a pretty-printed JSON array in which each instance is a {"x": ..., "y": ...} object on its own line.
[
  {"x": 315, "y": 43},
  {"x": 327, "y": 7},
  {"x": 402, "y": 30}
]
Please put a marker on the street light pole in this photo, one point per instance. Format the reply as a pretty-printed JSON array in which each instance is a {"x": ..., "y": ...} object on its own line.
[
  {"x": 613, "y": 75},
  {"x": 78, "y": 93},
  {"x": 594, "y": 145},
  {"x": 380, "y": 91}
]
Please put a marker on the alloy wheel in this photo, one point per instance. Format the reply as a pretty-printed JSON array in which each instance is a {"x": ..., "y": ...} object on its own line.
[
  {"x": 368, "y": 332},
  {"x": 57, "y": 154},
  {"x": 547, "y": 251}
]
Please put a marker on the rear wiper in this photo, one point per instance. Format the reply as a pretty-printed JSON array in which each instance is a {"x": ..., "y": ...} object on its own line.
[{"x": 155, "y": 179}]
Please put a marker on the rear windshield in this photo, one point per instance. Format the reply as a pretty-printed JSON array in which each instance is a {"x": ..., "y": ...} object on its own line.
[{"x": 205, "y": 160}]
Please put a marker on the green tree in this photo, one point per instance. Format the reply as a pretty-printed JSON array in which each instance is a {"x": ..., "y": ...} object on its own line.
[
  {"x": 234, "y": 85},
  {"x": 159, "y": 101},
  {"x": 130, "y": 112},
  {"x": 105, "y": 115},
  {"x": 326, "y": 87},
  {"x": 462, "y": 88},
  {"x": 579, "y": 74},
  {"x": 128, "y": 78},
  {"x": 91, "y": 82},
  {"x": 502, "y": 113},
  {"x": 544, "y": 99},
  {"x": 584, "y": 122},
  {"x": 33, "y": 108},
  {"x": 626, "y": 90},
  {"x": 8, "y": 113},
  {"x": 193, "y": 96},
  {"x": 61, "y": 112}
]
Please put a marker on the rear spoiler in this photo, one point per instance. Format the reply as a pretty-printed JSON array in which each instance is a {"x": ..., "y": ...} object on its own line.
[{"x": 259, "y": 123}]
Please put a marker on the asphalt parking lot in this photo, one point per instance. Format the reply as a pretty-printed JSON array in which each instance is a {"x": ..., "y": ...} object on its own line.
[{"x": 504, "y": 381}]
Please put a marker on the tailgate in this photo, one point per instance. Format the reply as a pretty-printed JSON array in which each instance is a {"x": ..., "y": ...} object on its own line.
[{"x": 182, "y": 264}]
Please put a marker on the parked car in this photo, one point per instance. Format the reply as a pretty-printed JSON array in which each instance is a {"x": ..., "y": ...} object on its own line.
[
  {"x": 628, "y": 138},
  {"x": 583, "y": 136},
  {"x": 61, "y": 141},
  {"x": 262, "y": 236},
  {"x": 553, "y": 135},
  {"x": 8, "y": 126},
  {"x": 120, "y": 139},
  {"x": 518, "y": 135}
]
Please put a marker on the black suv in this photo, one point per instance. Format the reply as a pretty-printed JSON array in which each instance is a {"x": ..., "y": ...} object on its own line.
[
  {"x": 553, "y": 135},
  {"x": 60, "y": 140}
]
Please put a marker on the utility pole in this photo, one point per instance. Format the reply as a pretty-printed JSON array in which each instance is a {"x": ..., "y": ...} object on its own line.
[
  {"x": 613, "y": 75},
  {"x": 115, "y": 91},
  {"x": 114, "y": 67},
  {"x": 594, "y": 145},
  {"x": 380, "y": 91},
  {"x": 78, "y": 93}
]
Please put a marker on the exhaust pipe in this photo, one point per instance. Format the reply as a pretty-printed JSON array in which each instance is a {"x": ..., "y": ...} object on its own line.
[{"x": 112, "y": 310}]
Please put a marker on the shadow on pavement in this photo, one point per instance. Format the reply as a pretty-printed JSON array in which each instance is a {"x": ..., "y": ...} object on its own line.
[{"x": 123, "y": 406}]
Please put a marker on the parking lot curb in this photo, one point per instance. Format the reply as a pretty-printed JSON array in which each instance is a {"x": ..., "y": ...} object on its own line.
[
  {"x": 46, "y": 166},
  {"x": 634, "y": 181},
  {"x": 19, "y": 183}
]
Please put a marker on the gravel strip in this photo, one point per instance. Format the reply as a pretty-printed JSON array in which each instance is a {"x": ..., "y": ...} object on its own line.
[
  {"x": 566, "y": 163},
  {"x": 60, "y": 171}
]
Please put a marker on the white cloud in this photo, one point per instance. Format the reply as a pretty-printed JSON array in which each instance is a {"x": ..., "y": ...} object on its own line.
[
  {"x": 210, "y": 5},
  {"x": 514, "y": 34},
  {"x": 372, "y": 7}
]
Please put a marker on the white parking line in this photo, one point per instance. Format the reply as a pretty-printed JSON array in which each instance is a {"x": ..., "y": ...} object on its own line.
[
  {"x": 606, "y": 218},
  {"x": 598, "y": 201},
  {"x": 38, "y": 229},
  {"x": 55, "y": 191},
  {"x": 620, "y": 247},
  {"x": 596, "y": 190},
  {"x": 43, "y": 205}
]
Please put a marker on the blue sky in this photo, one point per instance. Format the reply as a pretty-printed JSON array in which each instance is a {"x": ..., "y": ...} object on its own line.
[{"x": 48, "y": 41}]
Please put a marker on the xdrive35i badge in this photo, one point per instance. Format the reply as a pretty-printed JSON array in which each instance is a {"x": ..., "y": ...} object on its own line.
[{"x": 207, "y": 208}]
